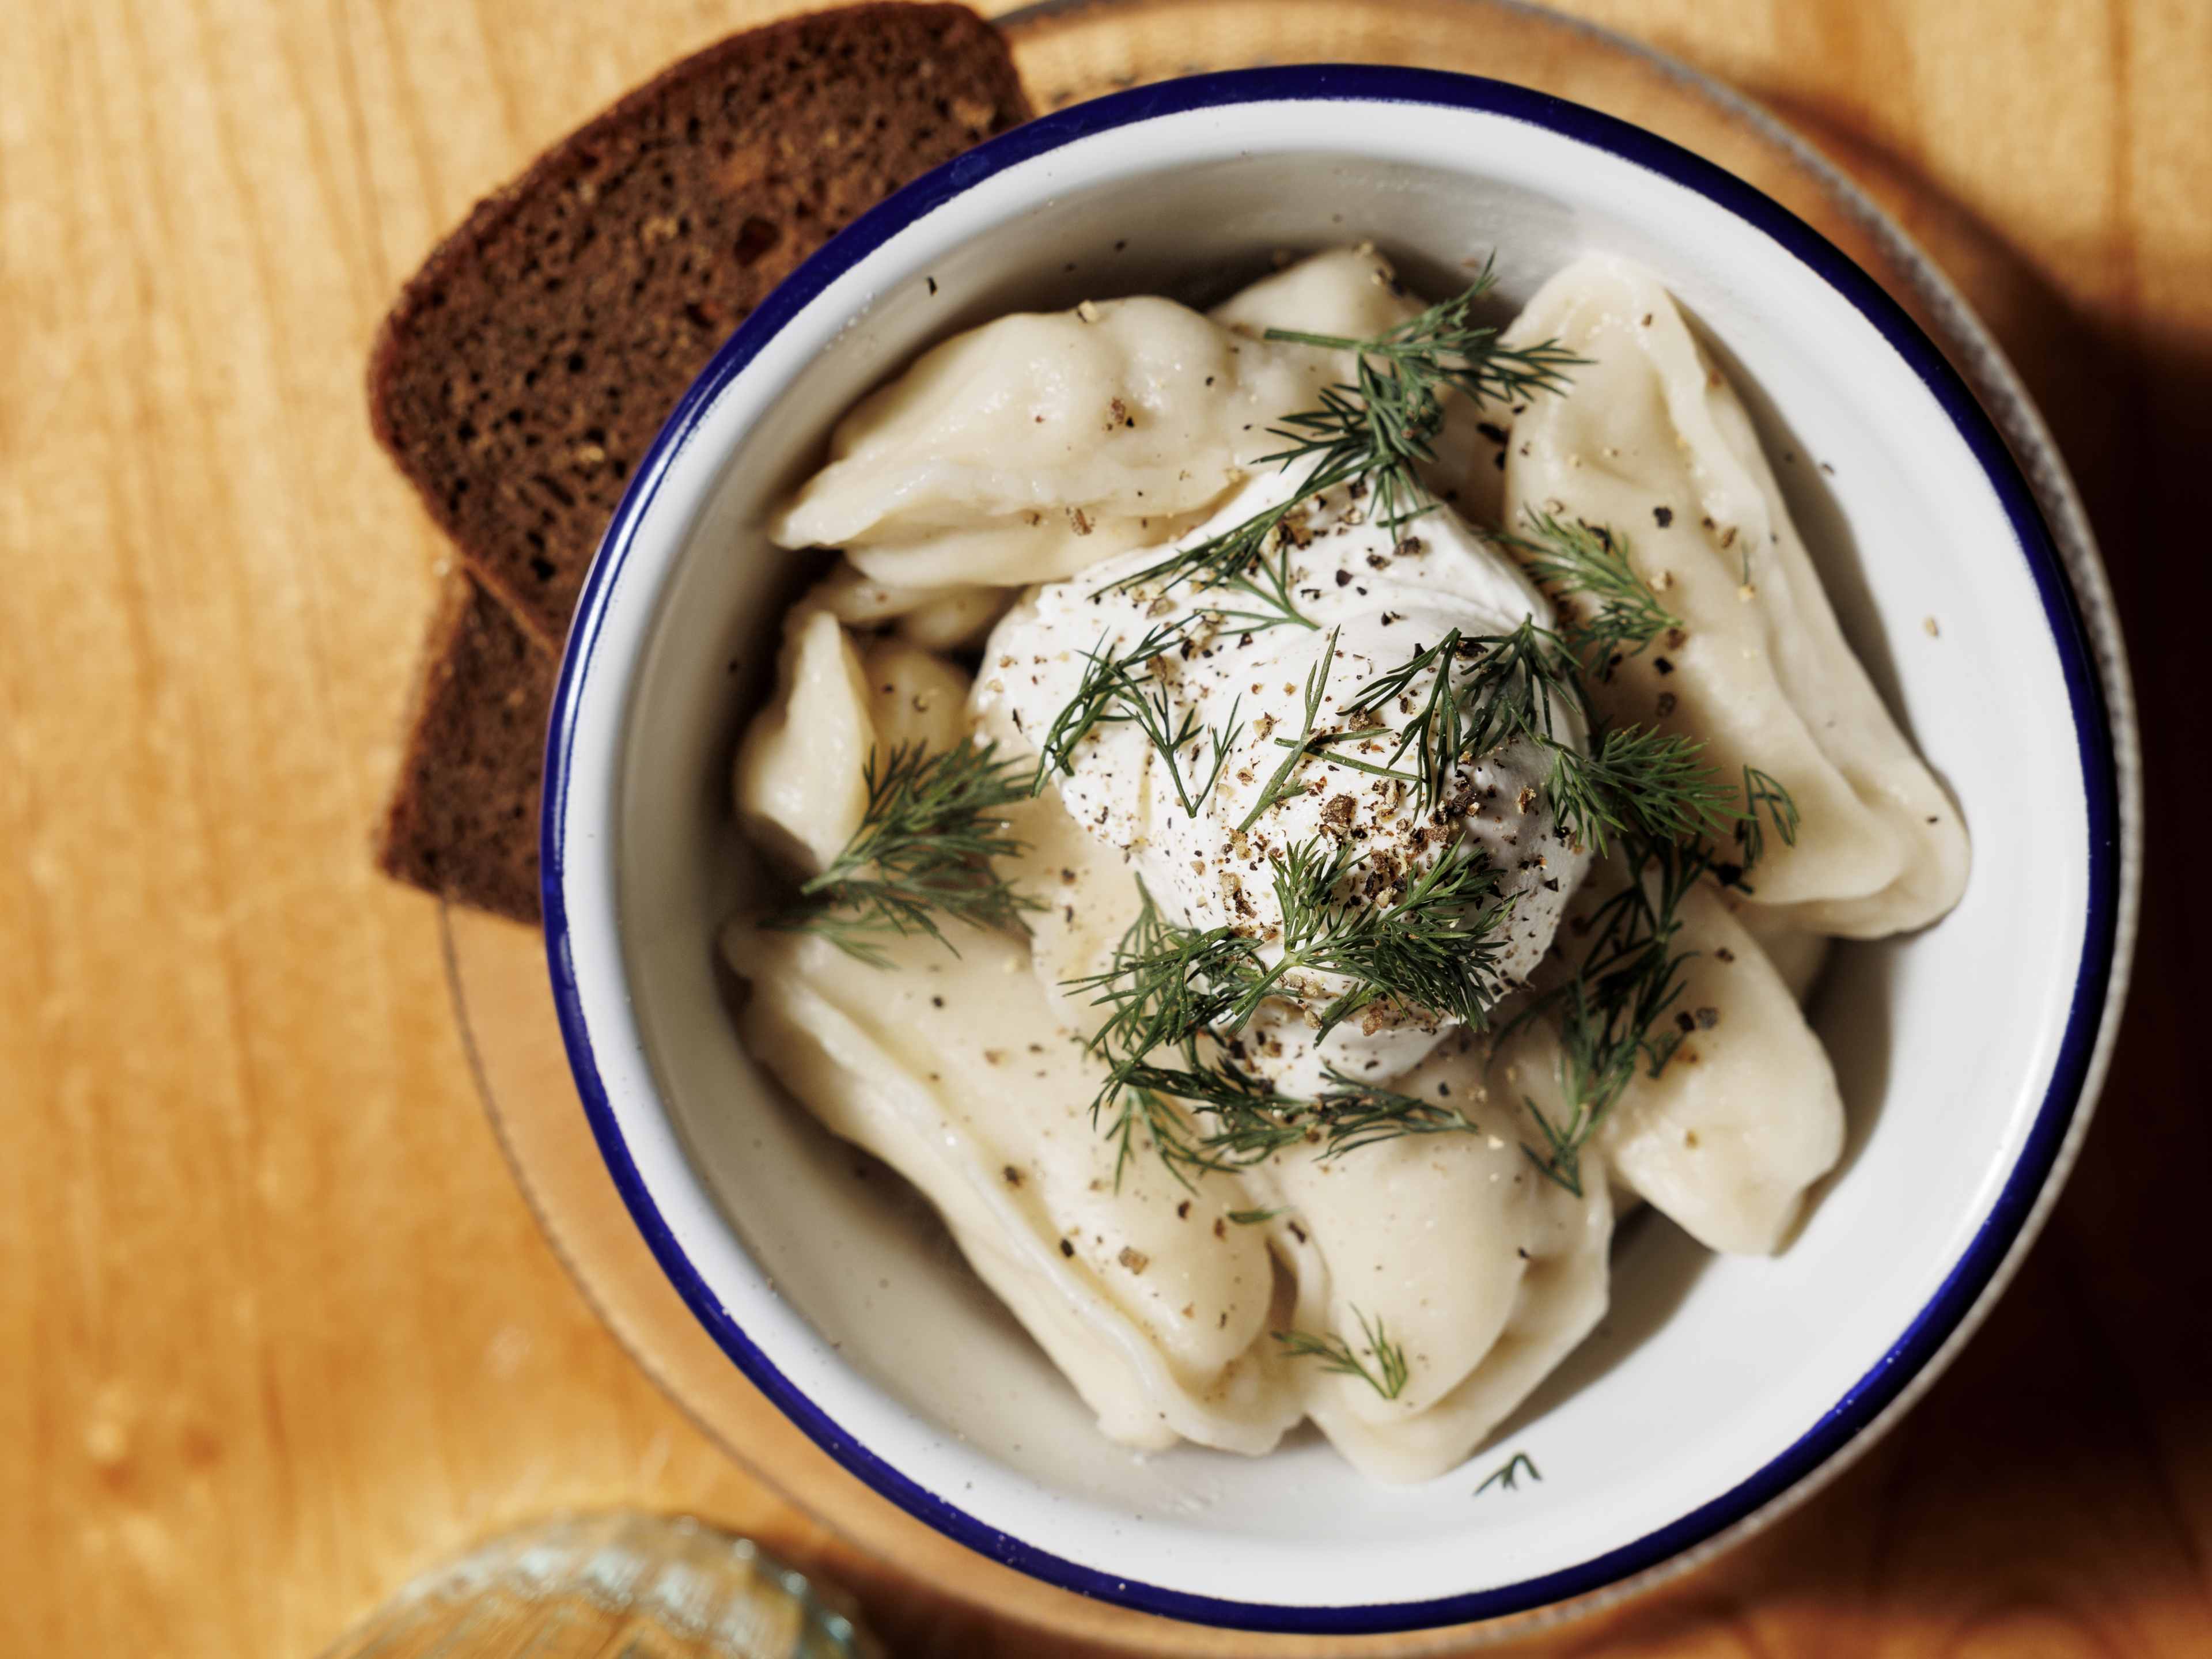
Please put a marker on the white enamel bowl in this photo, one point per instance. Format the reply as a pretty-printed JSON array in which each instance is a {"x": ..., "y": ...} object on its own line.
[{"x": 1718, "y": 1389}]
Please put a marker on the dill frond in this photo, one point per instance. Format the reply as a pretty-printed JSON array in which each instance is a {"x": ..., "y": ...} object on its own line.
[
  {"x": 1353, "y": 1114},
  {"x": 1178, "y": 996},
  {"x": 1638, "y": 780},
  {"x": 1251, "y": 559},
  {"x": 1280, "y": 787},
  {"x": 1607, "y": 612},
  {"x": 1508, "y": 1477},
  {"x": 1430, "y": 948},
  {"x": 1763, "y": 792},
  {"x": 1120, "y": 689},
  {"x": 1337, "y": 1356},
  {"x": 1379, "y": 428},
  {"x": 924, "y": 848},
  {"x": 1610, "y": 1009},
  {"x": 1383, "y": 425}
]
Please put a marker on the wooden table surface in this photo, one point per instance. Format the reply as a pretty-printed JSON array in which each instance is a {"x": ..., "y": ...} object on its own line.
[{"x": 276, "y": 1329}]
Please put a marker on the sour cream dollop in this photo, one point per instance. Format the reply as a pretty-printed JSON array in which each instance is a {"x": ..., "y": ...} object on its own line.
[{"x": 1377, "y": 596}]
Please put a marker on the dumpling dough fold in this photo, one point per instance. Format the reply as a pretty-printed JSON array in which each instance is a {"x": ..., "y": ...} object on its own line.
[
  {"x": 1151, "y": 1302},
  {"x": 1454, "y": 1247},
  {"x": 1650, "y": 441},
  {"x": 1745, "y": 1117},
  {"x": 1027, "y": 449}
]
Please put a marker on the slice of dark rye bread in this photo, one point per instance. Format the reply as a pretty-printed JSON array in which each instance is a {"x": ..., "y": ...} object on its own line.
[
  {"x": 530, "y": 362},
  {"x": 463, "y": 822},
  {"x": 532, "y": 358}
]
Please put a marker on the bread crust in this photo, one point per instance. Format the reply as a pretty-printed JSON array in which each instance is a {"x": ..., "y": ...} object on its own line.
[
  {"x": 525, "y": 367},
  {"x": 532, "y": 359},
  {"x": 462, "y": 821}
]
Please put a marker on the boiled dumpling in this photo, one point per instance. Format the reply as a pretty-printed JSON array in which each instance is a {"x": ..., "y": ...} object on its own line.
[
  {"x": 936, "y": 618},
  {"x": 1036, "y": 446},
  {"x": 1028, "y": 448},
  {"x": 1451, "y": 1246},
  {"x": 1649, "y": 440},
  {"x": 800, "y": 783},
  {"x": 1745, "y": 1115},
  {"x": 953, "y": 1070},
  {"x": 914, "y": 697}
]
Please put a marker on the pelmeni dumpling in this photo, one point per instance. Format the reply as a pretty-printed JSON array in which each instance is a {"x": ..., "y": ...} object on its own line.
[
  {"x": 936, "y": 618},
  {"x": 1649, "y": 440},
  {"x": 1453, "y": 1247},
  {"x": 801, "y": 777},
  {"x": 800, "y": 783},
  {"x": 1036, "y": 446},
  {"x": 1745, "y": 1114},
  {"x": 953, "y": 1070},
  {"x": 1028, "y": 448}
]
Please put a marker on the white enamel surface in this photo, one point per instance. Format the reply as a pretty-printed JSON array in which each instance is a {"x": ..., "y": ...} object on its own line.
[{"x": 1707, "y": 1369}]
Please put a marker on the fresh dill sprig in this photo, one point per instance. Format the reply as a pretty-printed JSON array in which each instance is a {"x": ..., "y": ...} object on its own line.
[
  {"x": 1378, "y": 428},
  {"x": 1353, "y": 1114},
  {"x": 1167, "y": 985},
  {"x": 1141, "y": 1109},
  {"x": 1315, "y": 743},
  {"x": 1762, "y": 790},
  {"x": 1508, "y": 1477},
  {"x": 1607, "y": 612},
  {"x": 1484, "y": 692},
  {"x": 1430, "y": 948},
  {"x": 1120, "y": 689},
  {"x": 1252, "y": 559},
  {"x": 1388, "y": 1376},
  {"x": 1247, "y": 1120},
  {"x": 1610, "y": 1008},
  {"x": 1640, "y": 781},
  {"x": 1279, "y": 787},
  {"x": 924, "y": 847},
  {"x": 1177, "y": 997},
  {"x": 1384, "y": 424},
  {"x": 1488, "y": 691}
]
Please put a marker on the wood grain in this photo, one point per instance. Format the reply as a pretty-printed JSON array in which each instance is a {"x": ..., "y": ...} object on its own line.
[{"x": 276, "y": 1328}]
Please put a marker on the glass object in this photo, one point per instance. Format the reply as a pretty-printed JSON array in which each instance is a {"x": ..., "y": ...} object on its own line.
[{"x": 611, "y": 1587}]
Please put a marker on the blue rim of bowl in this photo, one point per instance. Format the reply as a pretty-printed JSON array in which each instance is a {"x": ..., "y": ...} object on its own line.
[{"x": 1977, "y": 1266}]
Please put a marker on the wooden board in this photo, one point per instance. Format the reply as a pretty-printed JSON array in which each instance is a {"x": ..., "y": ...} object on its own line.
[{"x": 277, "y": 1328}]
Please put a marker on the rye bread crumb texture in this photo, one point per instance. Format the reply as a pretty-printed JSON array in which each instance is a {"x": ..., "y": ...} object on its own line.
[{"x": 529, "y": 363}]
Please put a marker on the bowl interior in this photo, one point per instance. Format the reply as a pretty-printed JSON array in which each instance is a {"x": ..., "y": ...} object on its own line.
[{"x": 1696, "y": 1397}]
